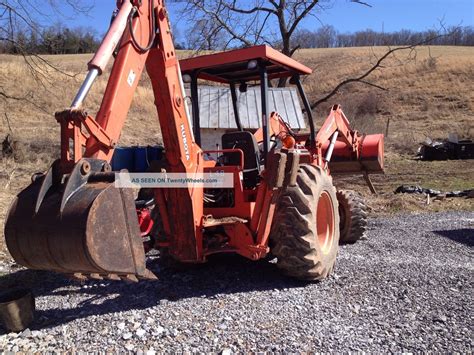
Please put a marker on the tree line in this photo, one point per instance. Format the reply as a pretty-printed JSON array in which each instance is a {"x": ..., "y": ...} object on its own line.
[
  {"x": 329, "y": 37},
  {"x": 56, "y": 39},
  {"x": 63, "y": 40}
]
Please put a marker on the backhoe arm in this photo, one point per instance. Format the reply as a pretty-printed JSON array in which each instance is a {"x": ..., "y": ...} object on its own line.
[
  {"x": 160, "y": 60},
  {"x": 73, "y": 219},
  {"x": 132, "y": 26}
]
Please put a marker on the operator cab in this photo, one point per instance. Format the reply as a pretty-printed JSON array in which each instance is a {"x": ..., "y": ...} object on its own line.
[{"x": 240, "y": 70}]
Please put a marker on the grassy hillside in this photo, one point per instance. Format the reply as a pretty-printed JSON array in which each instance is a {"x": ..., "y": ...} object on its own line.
[
  {"x": 429, "y": 93},
  {"x": 429, "y": 96}
]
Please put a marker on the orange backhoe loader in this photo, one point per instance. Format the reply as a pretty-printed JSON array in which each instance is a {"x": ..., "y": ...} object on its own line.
[{"x": 73, "y": 219}]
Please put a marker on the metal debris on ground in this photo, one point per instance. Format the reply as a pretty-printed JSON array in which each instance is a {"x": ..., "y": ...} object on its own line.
[
  {"x": 416, "y": 189},
  {"x": 17, "y": 307},
  {"x": 451, "y": 148}
]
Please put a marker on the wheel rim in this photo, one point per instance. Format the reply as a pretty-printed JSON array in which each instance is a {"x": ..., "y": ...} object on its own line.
[{"x": 325, "y": 222}]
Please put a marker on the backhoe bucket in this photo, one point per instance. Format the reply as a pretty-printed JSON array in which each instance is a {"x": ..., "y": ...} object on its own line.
[{"x": 85, "y": 228}]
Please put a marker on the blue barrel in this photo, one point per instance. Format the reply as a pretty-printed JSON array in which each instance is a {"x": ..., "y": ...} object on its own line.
[
  {"x": 154, "y": 153},
  {"x": 141, "y": 159},
  {"x": 135, "y": 159},
  {"x": 123, "y": 158}
]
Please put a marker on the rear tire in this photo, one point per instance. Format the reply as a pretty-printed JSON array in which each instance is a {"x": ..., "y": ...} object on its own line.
[
  {"x": 353, "y": 214},
  {"x": 305, "y": 232}
]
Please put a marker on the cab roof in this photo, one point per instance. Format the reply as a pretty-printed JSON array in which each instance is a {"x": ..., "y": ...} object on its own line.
[{"x": 231, "y": 66}]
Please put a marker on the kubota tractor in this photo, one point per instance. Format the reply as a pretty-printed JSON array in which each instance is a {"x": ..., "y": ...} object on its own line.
[{"x": 74, "y": 220}]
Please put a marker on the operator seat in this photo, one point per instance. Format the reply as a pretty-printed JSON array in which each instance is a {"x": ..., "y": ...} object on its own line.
[{"x": 246, "y": 142}]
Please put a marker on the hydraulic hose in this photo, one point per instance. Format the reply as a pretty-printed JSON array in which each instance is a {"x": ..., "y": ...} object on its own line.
[{"x": 152, "y": 29}]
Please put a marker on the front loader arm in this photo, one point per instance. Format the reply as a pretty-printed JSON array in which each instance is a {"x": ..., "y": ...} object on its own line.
[
  {"x": 279, "y": 129},
  {"x": 336, "y": 126}
]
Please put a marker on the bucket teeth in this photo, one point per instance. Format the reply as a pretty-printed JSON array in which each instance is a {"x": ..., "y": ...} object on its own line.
[
  {"x": 61, "y": 227},
  {"x": 149, "y": 276},
  {"x": 129, "y": 278},
  {"x": 78, "y": 276},
  {"x": 112, "y": 277}
]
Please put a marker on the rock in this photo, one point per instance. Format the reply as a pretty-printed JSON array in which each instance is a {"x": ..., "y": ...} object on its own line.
[
  {"x": 159, "y": 329},
  {"x": 127, "y": 336},
  {"x": 26, "y": 333},
  {"x": 411, "y": 315},
  {"x": 232, "y": 306},
  {"x": 355, "y": 308}
]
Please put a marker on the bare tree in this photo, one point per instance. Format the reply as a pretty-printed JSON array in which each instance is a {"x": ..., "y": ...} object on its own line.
[
  {"x": 246, "y": 23},
  {"x": 27, "y": 18},
  {"x": 206, "y": 35}
]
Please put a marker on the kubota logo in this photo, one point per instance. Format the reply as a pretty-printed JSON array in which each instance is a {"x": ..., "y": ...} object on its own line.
[{"x": 185, "y": 142}]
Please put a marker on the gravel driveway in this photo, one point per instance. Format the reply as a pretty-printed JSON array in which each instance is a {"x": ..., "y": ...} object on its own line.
[{"x": 408, "y": 287}]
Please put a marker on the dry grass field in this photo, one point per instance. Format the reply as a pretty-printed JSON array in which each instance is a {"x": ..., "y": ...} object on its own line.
[{"x": 429, "y": 96}]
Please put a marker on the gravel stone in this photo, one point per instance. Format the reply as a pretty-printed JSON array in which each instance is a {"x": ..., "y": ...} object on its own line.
[
  {"x": 407, "y": 288},
  {"x": 26, "y": 333}
]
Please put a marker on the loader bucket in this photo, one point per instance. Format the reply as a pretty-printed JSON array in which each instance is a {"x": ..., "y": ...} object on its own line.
[
  {"x": 371, "y": 158},
  {"x": 89, "y": 229}
]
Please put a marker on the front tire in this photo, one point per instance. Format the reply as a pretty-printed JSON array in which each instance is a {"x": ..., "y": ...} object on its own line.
[
  {"x": 353, "y": 214},
  {"x": 305, "y": 232}
]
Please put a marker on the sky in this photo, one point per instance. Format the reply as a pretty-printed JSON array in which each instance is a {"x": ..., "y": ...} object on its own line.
[{"x": 389, "y": 15}]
